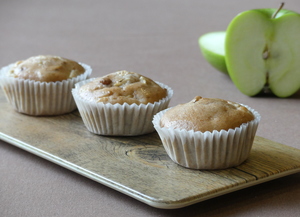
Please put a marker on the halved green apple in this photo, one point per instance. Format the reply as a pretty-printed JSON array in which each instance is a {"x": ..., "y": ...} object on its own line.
[
  {"x": 212, "y": 46},
  {"x": 263, "y": 51}
]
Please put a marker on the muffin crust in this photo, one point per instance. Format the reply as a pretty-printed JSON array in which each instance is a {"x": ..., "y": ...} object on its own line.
[
  {"x": 46, "y": 68},
  {"x": 123, "y": 87},
  {"x": 206, "y": 114}
]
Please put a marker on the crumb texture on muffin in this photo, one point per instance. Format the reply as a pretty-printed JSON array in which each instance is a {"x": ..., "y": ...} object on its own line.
[
  {"x": 206, "y": 114},
  {"x": 123, "y": 87},
  {"x": 46, "y": 68}
]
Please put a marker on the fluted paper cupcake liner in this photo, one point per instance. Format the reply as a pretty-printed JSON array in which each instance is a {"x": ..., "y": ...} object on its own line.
[
  {"x": 208, "y": 150},
  {"x": 116, "y": 119},
  {"x": 41, "y": 98}
]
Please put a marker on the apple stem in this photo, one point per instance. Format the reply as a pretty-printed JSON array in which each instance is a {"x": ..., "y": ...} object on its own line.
[{"x": 276, "y": 12}]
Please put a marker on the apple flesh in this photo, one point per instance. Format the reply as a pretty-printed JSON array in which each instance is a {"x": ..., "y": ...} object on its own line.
[
  {"x": 263, "y": 52},
  {"x": 213, "y": 50}
]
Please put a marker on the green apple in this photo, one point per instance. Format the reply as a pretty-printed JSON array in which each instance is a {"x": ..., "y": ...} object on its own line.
[
  {"x": 262, "y": 50},
  {"x": 212, "y": 48}
]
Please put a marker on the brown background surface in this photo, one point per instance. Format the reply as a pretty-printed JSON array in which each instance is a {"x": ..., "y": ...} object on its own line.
[{"x": 154, "y": 38}]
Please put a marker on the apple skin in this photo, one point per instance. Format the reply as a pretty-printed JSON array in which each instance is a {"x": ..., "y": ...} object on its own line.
[
  {"x": 249, "y": 36},
  {"x": 212, "y": 46}
]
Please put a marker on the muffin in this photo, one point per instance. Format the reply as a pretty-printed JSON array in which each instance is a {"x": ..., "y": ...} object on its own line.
[
  {"x": 207, "y": 133},
  {"x": 121, "y": 103},
  {"x": 41, "y": 85}
]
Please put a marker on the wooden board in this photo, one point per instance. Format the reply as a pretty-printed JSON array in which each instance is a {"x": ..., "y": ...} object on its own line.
[{"x": 139, "y": 166}]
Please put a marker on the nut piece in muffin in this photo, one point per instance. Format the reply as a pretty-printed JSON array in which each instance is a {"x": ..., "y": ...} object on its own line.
[
  {"x": 121, "y": 103},
  {"x": 46, "y": 68},
  {"x": 123, "y": 87},
  {"x": 207, "y": 133},
  {"x": 206, "y": 114},
  {"x": 42, "y": 85}
]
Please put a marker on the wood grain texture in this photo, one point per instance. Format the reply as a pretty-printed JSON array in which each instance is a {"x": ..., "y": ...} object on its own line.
[{"x": 139, "y": 166}]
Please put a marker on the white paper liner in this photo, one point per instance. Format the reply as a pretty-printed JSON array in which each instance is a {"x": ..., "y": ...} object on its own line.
[
  {"x": 208, "y": 150},
  {"x": 116, "y": 119},
  {"x": 41, "y": 98}
]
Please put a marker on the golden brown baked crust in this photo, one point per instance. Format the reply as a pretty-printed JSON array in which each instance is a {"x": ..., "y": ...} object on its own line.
[
  {"x": 206, "y": 114},
  {"x": 46, "y": 68},
  {"x": 123, "y": 87}
]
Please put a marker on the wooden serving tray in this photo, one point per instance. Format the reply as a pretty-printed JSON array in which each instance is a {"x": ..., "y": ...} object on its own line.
[{"x": 139, "y": 166}]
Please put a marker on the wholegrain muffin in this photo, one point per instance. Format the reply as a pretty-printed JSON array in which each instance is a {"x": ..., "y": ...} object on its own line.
[
  {"x": 206, "y": 114},
  {"x": 46, "y": 68},
  {"x": 121, "y": 103},
  {"x": 207, "y": 133},
  {"x": 41, "y": 85},
  {"x": 123, "y": 87}
]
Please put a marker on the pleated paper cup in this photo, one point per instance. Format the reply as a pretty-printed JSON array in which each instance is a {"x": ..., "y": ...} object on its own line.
[
  {"x": 41, "y": 98},
  {"x": 116, "y": 119},
  {"x": 208, "y": 150}
]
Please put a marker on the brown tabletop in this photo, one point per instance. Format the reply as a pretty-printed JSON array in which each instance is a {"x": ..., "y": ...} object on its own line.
[{"x": 160, "y": 40}]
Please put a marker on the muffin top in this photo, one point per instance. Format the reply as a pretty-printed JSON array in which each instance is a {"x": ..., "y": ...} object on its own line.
[
  {"x": 206, "y": 114},
  {"x": 46, "y": 68},
  {"x": 123, "y": 87}
]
